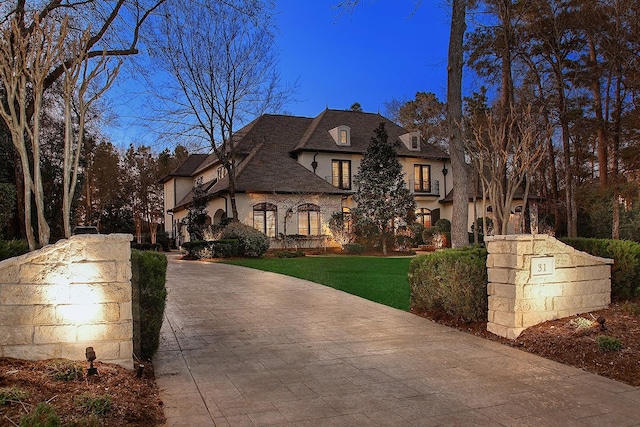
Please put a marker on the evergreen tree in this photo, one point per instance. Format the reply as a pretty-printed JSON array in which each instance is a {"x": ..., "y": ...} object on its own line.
[
  {"x": 197, "y": 216},
  {"x": 382, "y": 194}
]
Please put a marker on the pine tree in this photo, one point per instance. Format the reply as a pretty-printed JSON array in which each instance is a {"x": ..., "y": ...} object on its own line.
[
  {"x": 382, "y": 194},
  {"x": 196, "y": 218}
]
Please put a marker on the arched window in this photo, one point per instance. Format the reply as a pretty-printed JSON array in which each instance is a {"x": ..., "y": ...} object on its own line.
[
  {"x": 423, "y": 216},
  {"x": 309, "y": 219},
  {"x": 264, "y": 218}
]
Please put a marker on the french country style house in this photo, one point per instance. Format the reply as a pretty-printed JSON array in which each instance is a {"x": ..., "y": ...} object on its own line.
[{"x": 293, "y": 173}]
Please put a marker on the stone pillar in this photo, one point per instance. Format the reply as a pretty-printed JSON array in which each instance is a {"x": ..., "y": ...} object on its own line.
[
  {"x": 58, "y": 300},
  {"x": 535, "y": 278}
]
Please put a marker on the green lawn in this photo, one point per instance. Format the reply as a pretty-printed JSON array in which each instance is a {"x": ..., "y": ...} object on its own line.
[{"x": 382, "y": 280}]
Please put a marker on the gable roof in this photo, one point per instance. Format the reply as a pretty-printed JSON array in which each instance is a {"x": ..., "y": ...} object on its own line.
[
  {"x": 187, "y": 168},
  {"x": 268, "y": 146}
]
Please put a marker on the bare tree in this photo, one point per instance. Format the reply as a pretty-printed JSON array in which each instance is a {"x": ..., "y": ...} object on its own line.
[
  {"x": 33, "y": 58},
  {"x": 513, "y": 149},
  {"x": 24, "y": 67},
  {"x": 222, "y": 65},
  {"x": 78, "y": 82}
]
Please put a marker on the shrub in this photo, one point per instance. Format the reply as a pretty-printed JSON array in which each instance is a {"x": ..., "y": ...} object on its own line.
[
  {"x": 354, "y": 248},
  {"x": 454, "y": 280},
  {"x": 149, "y": 275},
  {"x": 225, "y": 248},
  {"x": 289, "y": 254},
  {"x": 631, "y": 308},
  {"x": 625, "y": 272},
  {"x": 65, "y": 370},
  {"x": 11, "y": 395},
  {"x": 162, "y": 237},
  {"x": 95, "y": 405},
  {"x": 195, "y": 248},
  {"x": 13, "y": 248},
  {"x": 608, "y": 344},
  {"x": 252, "y": 242},
  {"x": 43, "y": 415},
  {"x": 444, "y": 225},
  {"x": 416, "y": 233}
]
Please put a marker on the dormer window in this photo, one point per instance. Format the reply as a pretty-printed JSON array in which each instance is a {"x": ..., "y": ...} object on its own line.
[
  {"x": 341, "y": 135},
  {"x": 411, "y": 140},
  {"x": 222, "y": 172}
]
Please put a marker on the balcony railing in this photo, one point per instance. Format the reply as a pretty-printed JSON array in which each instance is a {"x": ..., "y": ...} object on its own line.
[{"x": 428, "y": 188}]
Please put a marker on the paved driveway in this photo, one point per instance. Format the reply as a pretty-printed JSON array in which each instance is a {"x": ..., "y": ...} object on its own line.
[{"x": 241, "y": 347}]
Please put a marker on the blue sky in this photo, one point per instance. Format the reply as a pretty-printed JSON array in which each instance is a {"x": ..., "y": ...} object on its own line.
[
  {"x": 381, "y": 50},
  {"x": 384, "y": 49}
]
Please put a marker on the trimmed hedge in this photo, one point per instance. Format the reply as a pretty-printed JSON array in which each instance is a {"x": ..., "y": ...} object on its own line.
[
  {"x": 354, "y": 248},
  {"x": 625, "y": 272},
  {"x": 148, "y": 279},
  {"x": 454, "y": 280},
  {"x": 225, "y": 248},
  {"x": 194, "y": 248},
  {"x": 13, "y": 248}
]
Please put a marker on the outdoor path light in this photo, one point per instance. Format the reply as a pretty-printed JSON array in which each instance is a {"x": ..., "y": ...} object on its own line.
[{"x": 91, "y": 356}]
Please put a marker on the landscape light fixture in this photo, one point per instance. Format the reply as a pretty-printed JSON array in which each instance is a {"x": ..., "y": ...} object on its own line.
[{"x": 91, "y": 356}]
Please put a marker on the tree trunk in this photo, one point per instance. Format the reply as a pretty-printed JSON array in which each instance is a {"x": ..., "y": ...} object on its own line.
[
  {"x": 460, "y": 215},
  {"x": 597, "y": 110}
]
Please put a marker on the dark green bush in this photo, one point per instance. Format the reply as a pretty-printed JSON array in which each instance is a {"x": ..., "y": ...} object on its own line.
[
  {"x": 625, "y": 272},
  {"x": 444, "y": 225},
  {"x": 12, "y": 248},
  {"x": 252, "y": 242},
  {"x": 225, "y": 248},
  {"x": 289, "y": 254},
  {"x": 454, "y": 280},
  {"x": 194, "y": 248},
  {"x": 149, "y": 275},
  {"x": 416, "y": 233},
  {"x": 163, "y": 239},
  {"x": 43, "y": 415},
  {"x": 608, "y": 344},
  {"x": 354, "y": 248}
]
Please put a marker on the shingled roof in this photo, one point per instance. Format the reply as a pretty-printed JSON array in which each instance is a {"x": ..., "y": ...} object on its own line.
[
  {"x": 362, "y": 125},
  {"x": 187, "y": 168},
  {"x": 269, "y": 145}
]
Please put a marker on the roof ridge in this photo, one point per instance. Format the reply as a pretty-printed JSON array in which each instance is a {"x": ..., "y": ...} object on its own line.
[{"x": 311, "y": 129}]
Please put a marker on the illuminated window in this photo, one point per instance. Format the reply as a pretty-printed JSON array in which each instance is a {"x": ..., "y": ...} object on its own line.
[
  {"x": 344, "y": 137},
  {"x": 423, "y": 216},
  {"x": 264, "y": 218},
  {"x": 309, "y": 219},
  {"x": 422, "y": 178},
  {"x": 341, "y": 174}
]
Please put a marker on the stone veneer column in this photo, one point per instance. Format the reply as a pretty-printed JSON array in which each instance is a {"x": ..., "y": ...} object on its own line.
[
  {"x": 56, "y": 301},
  {"x": 535, "y": 278}
]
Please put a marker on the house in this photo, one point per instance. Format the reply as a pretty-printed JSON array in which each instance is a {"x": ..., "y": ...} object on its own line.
[{"x": 293, "y": 173}]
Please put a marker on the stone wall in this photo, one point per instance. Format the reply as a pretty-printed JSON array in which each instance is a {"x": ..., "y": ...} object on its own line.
[
  {"x": 535, "y": 278},
  {"x": 58, "y": 300}
]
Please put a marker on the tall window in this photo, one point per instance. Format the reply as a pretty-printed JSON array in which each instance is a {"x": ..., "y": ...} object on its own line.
[
  {"x": 264, "y": 218},
  {"x": 343, "y": 137},
  {"x": 423, "y": 216},
  {"x": 341, "y": 174},
  {"x": 309, "y": 219},
  {"x": 422, "y": 178}
]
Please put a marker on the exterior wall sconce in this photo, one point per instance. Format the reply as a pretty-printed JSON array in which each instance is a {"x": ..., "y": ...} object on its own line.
[
  {"x": 91, "y": 356},
  {"x": 314, "y": 163}
]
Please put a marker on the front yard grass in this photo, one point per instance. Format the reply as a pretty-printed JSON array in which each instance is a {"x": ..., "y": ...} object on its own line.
[{"x": 383, "y": 280}]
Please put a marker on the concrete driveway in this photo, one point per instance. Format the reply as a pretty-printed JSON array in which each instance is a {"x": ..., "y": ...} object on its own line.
[{"x": 241, "y": 347}]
